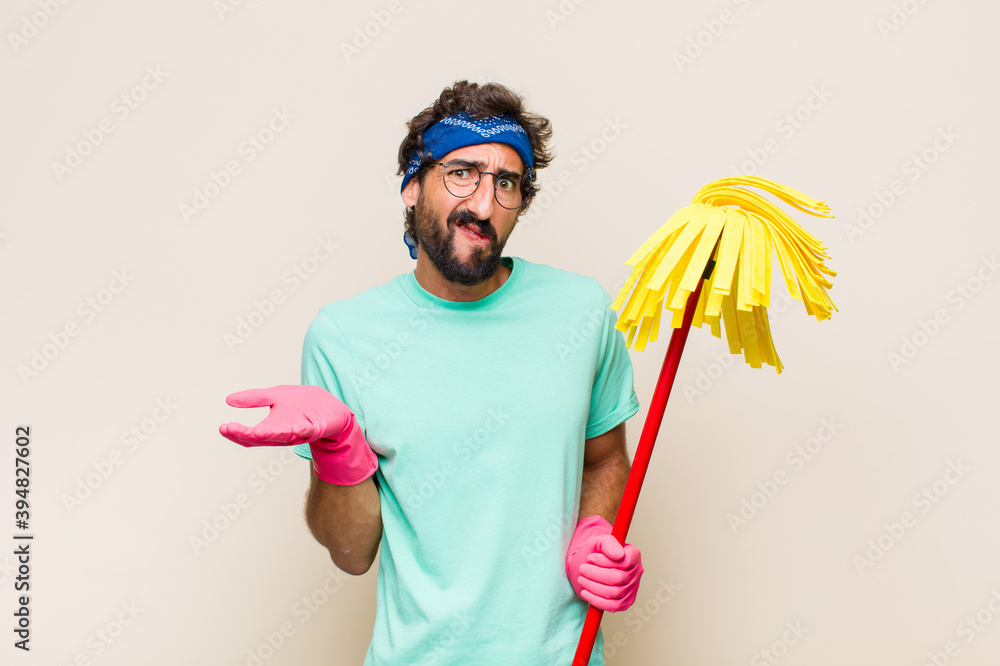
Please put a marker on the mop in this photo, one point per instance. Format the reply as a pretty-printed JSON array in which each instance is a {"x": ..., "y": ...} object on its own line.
[{"x": 711, "y": 264}]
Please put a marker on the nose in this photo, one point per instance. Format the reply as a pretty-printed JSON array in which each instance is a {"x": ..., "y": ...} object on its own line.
[{"x": 481, "y": 202}]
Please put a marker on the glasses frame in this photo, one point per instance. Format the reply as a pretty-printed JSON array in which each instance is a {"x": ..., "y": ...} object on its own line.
[{"x": 520, "y": 185}]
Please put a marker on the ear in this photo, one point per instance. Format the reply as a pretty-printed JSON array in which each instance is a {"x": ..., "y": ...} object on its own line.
[{"x": 411, "y": 192}]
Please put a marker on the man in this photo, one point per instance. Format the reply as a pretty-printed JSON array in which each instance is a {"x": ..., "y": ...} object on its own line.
[{"x": 470, "y": 420}]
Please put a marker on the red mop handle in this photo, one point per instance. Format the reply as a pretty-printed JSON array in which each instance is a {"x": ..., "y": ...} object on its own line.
[{"x": 641, "y": 461}]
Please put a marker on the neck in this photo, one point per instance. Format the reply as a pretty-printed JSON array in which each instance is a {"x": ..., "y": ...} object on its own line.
[{"x": 430, "y": 278}]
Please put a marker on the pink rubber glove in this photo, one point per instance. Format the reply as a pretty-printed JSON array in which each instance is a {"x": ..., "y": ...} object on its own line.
[
  {"x": 603, "y": 573},
  {"x": 307, "y": 414}
]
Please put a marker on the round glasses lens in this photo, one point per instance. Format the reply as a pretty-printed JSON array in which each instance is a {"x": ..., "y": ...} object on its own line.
[
  {"x": 508, "y": 191},
  {"x": 461, "y": 179}
]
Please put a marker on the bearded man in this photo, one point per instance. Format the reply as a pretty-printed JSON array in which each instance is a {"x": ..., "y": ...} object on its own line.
[{"x": 465, "y": 421}]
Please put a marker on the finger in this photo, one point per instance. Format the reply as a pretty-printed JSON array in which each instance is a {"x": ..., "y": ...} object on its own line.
[
  {"x": 250, "y": 398},
  {"x": 602, "y": 590},
  {"x": 609, "y": 545},
  {"x": 279, "y": 434},
  {"x": 633, "y": 557},
  {"x": 602, "y": 560},
  {"x": 237, "y": 432},
  {"x": 598, "y": 601},
  {"x": 626, "y": 579},
  {"x": 608, "y": 605},
  {"x": 612, "y": 593},
  {"x": 233, "y": 430},
  {"x": 605, "y": 576},
  {"x": 259, "y": 435},
  {"x": 629, "y": 555}
]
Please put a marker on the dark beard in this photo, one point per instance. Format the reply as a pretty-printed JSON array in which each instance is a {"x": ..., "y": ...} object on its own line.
[{"x": 439, "y": 244}]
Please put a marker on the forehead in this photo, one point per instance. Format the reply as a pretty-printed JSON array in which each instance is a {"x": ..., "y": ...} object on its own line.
[{"x": 493, "y": 155}]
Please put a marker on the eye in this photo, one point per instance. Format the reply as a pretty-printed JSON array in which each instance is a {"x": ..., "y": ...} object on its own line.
[
  {"x": 459, "y": 173},
  {"x": 506, "y": 184}
]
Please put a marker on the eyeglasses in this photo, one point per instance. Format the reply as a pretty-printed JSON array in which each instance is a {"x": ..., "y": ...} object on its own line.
[{"x": 461, "y": 179}]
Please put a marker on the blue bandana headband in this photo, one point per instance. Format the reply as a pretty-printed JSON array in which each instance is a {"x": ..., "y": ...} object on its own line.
[{"x": 459, "y": 131}]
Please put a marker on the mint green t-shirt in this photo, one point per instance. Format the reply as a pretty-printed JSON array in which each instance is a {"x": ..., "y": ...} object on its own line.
[{"x": 478, "y": 412}]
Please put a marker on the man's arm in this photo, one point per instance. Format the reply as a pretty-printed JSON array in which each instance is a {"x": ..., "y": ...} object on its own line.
[
  {"x": 605, "y": 471},
  {"x": 347, "y": 520}
]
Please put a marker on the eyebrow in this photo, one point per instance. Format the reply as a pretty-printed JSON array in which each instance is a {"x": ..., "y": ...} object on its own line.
[{"x": 482, "y": 167}]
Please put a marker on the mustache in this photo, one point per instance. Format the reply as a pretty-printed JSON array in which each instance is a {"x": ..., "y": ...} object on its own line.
[{"x": 482, "y": 226}]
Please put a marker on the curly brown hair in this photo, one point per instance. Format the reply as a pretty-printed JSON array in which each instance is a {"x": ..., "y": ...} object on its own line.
[{"x": 478, "y": 101}]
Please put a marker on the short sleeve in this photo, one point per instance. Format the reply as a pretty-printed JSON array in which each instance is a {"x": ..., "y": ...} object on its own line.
[
  {"x": 327, "y": 362},
  {"x": 613, "y": 399}
]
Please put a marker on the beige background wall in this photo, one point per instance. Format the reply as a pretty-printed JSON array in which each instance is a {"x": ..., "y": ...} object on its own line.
[{"x": 159, "y": 542}]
